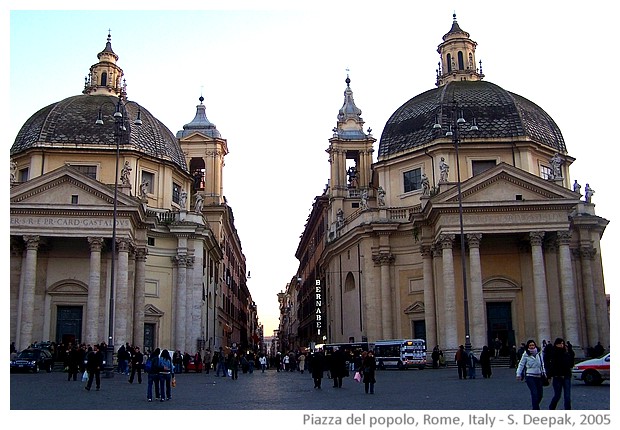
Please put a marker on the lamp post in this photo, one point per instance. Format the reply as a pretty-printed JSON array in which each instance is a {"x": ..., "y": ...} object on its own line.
[
  {"x": 454, "y": 133},
  {"x": 119, "y": 129}
]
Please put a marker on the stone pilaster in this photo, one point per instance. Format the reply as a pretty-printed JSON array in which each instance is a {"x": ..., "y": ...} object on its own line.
[
  {"x": 541, "y": 301},
  {"x": 138, "y": 311},
  {"x": 429, "y": 297},
  {"x": 567, "y": 290},
  {"x": 94, "y": 292},
  {"x": 586, "y": 255},
  {"x": 181, "y": 301}
]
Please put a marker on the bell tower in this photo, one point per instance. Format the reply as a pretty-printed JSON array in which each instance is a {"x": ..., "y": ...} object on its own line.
[
  {"x": 350, "y": 156},
  {"x": 204, "y": 151}
]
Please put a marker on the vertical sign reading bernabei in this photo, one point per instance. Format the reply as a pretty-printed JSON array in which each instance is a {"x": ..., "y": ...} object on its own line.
[{"x": 318, "y": 304}]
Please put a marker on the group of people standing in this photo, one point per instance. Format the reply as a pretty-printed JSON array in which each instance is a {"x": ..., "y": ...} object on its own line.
[
  {"x": 466, "y": 362},
  {"x": 552, "y": 363}
]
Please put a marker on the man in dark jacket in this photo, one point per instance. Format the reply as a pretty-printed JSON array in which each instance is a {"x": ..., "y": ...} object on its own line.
[
  {"x": 559, "y": 362},
  {"x": 136, "y": 364},
  {"x": 94, "y": 365},
  {"x": 461, "y": 362}
]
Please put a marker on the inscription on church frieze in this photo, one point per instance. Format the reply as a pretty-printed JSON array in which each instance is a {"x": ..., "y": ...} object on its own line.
[{"x": 67, "y": 222}]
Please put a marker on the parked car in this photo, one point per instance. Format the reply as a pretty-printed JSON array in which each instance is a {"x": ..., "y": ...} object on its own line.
[
  {"x": 33, "y": 359},
  {"x": 593, "y": 371}
]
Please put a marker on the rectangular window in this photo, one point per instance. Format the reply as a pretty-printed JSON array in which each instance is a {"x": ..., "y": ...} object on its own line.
[
  {"x": 74, "y": 199},
  {"x": 149, "y": 179},
  {"x": 412, "y": 180},
  {"x": 176, "y": 193},
  {"x": 546, "y": 172},
  {"x": 90, "y": 171},
  {"x": 23, "y": 175},
  {"x": 479, "y": 166}
]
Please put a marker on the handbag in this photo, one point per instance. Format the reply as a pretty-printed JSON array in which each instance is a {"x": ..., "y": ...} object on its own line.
[
  {"x": 85, "y": 376},
  {"x": 358, "y": 377},
  {"x": 174, "y": 382},
  {"x": 545, "y": 380}
]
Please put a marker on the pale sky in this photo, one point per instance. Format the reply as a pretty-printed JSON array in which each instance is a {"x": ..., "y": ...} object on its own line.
[{"x": 273, "y": 82}]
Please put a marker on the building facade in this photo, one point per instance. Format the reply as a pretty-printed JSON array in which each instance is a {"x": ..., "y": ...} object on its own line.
[
  {"x": 467, "y": 227},
  {"x": 120, "y": 232}
]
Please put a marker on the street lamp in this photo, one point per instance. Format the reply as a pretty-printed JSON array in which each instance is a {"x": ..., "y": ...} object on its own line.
[
  {"x": 457, "y": 120},
  {"x": 119, "y": 129}
]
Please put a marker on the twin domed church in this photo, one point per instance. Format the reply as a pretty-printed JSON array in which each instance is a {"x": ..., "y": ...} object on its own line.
[{"x": 466, "y": 228}]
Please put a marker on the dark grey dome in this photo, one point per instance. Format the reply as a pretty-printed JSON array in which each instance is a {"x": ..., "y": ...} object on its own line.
[
  {"x": 70, "y": 123},
  {"x": 498, "y": 113}
]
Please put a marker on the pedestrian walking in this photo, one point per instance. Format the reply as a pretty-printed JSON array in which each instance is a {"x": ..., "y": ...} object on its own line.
[
  {"x": 302, "y": 362},
  {"x": 166, "y": 372},
  {"x": 337, "y": 366},
  {"x": 435, "y": 357},
  {"x": 472, "y": 360},
  {"x": 461, "y": 362},
  {"x": 559, "y": 364},
  {"x": 137, "y": 359},
  {"x": 93, "y": 366},
  {"x": 73, "y": 362},
  {"x": 317, "y": 363},
  {"x": 485, "y": 362},
  {"x": 152, "y": 371},
  {"x": 233, "y": 365},
  {"x": 207, "y": 360},
  {"x": 263, "y": 362},
  {"x": 531, "y": 368},
  {"x": 368, "y": 368}
]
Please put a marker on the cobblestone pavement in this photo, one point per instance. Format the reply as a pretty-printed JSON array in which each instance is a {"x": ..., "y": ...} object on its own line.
[{"x": 427, "y": 389}]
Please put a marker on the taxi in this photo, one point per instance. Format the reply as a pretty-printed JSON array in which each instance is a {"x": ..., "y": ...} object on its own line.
[{"x": 593, "y": 371}]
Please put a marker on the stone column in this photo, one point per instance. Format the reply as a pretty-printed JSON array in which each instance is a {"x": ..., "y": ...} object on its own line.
[
  {"x": 586, "y": 254},
  {"x": 121, "y": 298},
  {"x": 192, "y": 325},
  {"x": 449, "y": 288},
  {"x": 384, "y": 260},
  {"x": 477, "y": 320},
  {"x": 429, "y": 297},
  {"x": 541, "y": 301},
  {"x": 181, "y": 302},
  {"x": 138, "y": 300},
  {"x": 27, "y": 296},
  {"x": 567, "y": 290},
  {"x": 94, "y": 292}
]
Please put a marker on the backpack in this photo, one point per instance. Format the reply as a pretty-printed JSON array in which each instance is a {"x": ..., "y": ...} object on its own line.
[{"x": 147, "y": 366}]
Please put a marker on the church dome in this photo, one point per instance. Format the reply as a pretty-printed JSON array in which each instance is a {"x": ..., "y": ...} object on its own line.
[
  {"x": 498, "y": 114},
  {"x": 70, "y": 123}
]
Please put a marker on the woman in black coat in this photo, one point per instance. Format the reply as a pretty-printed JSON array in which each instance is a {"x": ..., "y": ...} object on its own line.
[
  {"x": 485, "y": 362},
  {"x": 369, "y": 366}
]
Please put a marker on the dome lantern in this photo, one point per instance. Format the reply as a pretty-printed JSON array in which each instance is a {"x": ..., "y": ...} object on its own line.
[
  {"x": 458, "y": 57},
  {"x": 105, "y": 77}
]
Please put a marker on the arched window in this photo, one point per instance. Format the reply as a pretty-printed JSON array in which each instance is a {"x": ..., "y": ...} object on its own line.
[
  {"x": 461, "y": 62},
  {"x": 104, "y": 79},
  {"x": 349, "y": 282},
  {"x": 449, "y": 61},
  {"x": 470, "y": 65}
]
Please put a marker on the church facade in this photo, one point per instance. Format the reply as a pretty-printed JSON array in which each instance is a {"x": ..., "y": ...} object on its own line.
[
  {"x": 120, "y": 232},
  {"x": 467, "y": 228}
]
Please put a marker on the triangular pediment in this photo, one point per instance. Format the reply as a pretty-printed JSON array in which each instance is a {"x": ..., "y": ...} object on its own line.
[
  {"x": 506, "y": 183},
  {"x": 55, "y": 188},
  {"x": 416, "y": 307}
]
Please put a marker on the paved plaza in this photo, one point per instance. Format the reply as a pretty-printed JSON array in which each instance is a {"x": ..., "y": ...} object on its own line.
[{"x": 429, "y": 389}]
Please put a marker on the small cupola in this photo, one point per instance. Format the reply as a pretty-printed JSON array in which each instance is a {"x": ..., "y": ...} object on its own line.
[
  {"x": 105, "y": 77},
  {"x": 458, "y": 57}
]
